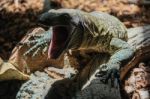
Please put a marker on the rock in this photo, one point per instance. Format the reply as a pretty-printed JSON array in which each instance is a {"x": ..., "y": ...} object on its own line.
[{"x": 37, "y": 87}]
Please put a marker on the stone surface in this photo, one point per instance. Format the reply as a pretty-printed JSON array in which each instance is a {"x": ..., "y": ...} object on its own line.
[{"x": 36, "y": 88}]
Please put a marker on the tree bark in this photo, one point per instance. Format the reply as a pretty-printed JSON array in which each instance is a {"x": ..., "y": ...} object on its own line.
[{"x": 139, "y": 38}]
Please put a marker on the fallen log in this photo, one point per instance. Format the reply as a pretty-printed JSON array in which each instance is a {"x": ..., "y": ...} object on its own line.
[
  {"x": 139, "y": 38},
  {"x": 139, "y": 2}
]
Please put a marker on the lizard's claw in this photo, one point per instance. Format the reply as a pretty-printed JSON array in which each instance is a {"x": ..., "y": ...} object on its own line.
[
  {"x": 38, "y": 43},
  {"x": 39, "y": 46},
  {"x": 109, "y": 76}
]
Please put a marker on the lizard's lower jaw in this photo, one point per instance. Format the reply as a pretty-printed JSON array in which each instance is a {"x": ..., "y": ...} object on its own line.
[{"x": 58, "y": 41}]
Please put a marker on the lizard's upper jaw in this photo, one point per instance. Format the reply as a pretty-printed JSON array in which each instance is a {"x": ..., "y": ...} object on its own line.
[{"x": 59, "y": 41}]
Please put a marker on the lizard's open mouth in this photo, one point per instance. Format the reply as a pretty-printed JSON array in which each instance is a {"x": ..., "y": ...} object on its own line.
[{"x": 59, "y": 41}]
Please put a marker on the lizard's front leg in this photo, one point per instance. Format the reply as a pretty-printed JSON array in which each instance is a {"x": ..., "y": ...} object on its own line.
[
  {"x": 38, "y": 42},
  {"x": 123, "y": 53}
]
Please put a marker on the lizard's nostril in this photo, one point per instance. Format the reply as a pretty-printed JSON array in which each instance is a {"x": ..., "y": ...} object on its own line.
[
  {"x": 44, "y": 19},
  {"x": 40, "y": 18}
]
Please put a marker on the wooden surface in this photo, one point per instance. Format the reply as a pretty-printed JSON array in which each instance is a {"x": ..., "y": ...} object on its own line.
[{"x": 140, "y": 39}]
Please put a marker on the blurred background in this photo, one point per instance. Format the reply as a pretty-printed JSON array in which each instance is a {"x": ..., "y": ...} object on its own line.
[{"x": 19, "y": 16}]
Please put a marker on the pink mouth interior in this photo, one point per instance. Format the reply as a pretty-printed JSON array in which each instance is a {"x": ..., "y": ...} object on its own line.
[{"x": 57, "y": 44}]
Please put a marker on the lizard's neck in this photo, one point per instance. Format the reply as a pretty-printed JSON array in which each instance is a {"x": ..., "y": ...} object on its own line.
[{"x": 92, "y": 36}]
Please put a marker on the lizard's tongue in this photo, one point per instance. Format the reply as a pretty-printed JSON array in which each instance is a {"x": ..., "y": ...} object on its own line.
[
  {"x": 51, "y": 50},
  {"x": 59, "y": 37}
]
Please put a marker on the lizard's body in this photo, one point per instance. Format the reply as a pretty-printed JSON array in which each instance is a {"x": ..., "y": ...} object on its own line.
[
  {"x": 97, "y": 34},
  {"x": 100, "y": 28},
  {"x": 96, "y": 40}
]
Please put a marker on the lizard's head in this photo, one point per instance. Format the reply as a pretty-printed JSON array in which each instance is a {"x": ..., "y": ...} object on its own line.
[{"x": 67, "y": 34}]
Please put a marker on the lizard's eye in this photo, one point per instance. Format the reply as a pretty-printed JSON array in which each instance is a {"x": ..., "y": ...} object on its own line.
[{"x": 65, "y": 15}]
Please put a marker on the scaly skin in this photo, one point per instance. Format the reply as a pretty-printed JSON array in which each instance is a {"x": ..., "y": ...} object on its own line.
[
  {"x": 38, "y": 42},
  {"x": 94, "y": 32},
  {"x": 19, "y": 66}
]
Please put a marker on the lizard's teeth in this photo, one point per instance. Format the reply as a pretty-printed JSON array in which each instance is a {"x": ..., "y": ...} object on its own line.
[
  {"x": 70, "y": 52},
  {"x": 50, "y": 49}
]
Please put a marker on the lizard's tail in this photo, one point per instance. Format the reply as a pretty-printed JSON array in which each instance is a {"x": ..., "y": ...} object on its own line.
[{"x": 9, "y": 72}]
